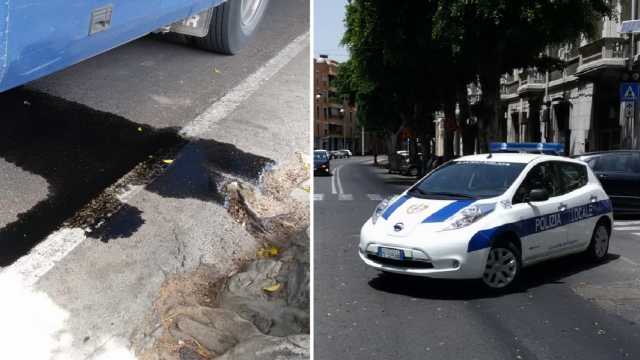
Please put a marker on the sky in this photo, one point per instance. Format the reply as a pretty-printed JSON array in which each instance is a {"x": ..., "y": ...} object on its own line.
[{"x": 328, "y": 29}]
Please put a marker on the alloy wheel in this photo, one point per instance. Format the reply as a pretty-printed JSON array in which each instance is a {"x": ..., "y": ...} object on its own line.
[{"x": 501, "y": 268}]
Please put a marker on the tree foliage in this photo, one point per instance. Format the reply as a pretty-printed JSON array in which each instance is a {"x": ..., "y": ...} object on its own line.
[{"x": 410, "y": 58}]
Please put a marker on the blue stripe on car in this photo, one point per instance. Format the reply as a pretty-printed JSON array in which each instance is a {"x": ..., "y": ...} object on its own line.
[
  {"x": 396, "y": 204},
  {"x": 447, "y": 211},
  {"x": 482, "y": 239}
]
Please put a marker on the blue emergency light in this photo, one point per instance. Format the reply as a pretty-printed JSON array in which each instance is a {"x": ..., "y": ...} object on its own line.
[{"x": 538, "y": 148}]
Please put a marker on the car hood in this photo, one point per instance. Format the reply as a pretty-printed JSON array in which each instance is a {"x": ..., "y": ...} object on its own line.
[{"x": 403, "y": 215}]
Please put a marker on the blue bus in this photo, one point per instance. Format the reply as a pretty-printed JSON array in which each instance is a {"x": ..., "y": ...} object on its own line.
[{"x": 39, "y": 37}]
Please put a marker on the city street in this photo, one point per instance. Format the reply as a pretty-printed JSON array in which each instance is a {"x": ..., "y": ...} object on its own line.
[{"x": 563, "y": 309}]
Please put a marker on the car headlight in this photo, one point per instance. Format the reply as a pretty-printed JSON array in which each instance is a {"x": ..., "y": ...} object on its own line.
[
  {"x": 469, "y": 215},
  {"x": 382, "y": 206}
]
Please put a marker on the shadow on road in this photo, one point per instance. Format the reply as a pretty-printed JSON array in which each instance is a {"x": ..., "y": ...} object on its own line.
[
  {"x": 551, "y": 272},
  {"x": 80, "y": 152}
]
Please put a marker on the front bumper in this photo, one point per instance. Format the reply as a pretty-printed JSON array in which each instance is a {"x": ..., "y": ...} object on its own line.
[{"x": 445, "y": 258}]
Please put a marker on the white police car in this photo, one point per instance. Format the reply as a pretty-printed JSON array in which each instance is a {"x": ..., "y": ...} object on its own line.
[{"x": 486, "y": 216}]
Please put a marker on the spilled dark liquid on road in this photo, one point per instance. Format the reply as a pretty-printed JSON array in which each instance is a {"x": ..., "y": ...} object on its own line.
[
  {"x": 80, "y": 152},
  {"x": 77, "y": 150}
]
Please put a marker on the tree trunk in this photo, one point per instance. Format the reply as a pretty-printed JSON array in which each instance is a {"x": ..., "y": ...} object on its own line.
[
  {"x": 488, "y": 122},
  {"x": 469, "y": 134},
  {"x": 449, "y": 125},
  {"x": 467, "y": 129}
]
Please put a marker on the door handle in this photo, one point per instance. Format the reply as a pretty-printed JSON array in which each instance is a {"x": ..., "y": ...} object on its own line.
[
  {"x": 593, "y": 198},
  {"x": 562, "y": 207}
]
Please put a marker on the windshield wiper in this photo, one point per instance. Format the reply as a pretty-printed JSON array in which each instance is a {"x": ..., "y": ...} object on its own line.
[
  {"x": 444, "y": 193},
  {"x": 418, "y": 190}
]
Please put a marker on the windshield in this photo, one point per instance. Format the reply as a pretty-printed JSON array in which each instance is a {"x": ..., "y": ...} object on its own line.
[
  {"x": 468, "y": 179},
  {"x": 319, "y": 155}
]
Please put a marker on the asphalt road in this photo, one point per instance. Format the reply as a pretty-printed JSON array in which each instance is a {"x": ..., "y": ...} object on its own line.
[
  {"x": 66, "y": 137},
  {"x": 564, "y": 309}
]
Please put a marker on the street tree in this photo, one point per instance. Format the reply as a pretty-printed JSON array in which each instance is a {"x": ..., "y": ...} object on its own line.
[{"x": 501, "y": 35}]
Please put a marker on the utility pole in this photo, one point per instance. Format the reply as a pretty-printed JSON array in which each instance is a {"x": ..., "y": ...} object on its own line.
[{"x": 362, "y": 142}]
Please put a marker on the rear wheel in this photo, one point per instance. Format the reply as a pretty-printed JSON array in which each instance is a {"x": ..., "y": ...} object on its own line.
[
  {"x": 232, "y": 24},
  {"x": 599, "y": 245},
  {"x": 503, "y": 267}
]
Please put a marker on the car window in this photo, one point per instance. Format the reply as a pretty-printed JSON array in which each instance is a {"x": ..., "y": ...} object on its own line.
[
  {"x": 614, "y": 163},
  {"x": 543, "y": 176},
  {"x": 572, "y": 176},
  {"x": 319, "y": 155},
  {"x": 471, "y": 179}
]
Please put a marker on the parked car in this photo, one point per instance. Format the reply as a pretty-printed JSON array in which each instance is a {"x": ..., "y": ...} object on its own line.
[
  {"x": 337, "y": 154},
  {"x": 42, "y": 37},
  {"x": 487, "y": 216},
  {"x": 321, "y": 162},
  {"x": 619, "y": 173},
  {"x": 345, "y": 153},
  {"x": 401, "y": 164}
]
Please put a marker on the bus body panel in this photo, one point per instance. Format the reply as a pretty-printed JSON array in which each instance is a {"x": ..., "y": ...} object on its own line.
[{"x": 39, "y": 37}]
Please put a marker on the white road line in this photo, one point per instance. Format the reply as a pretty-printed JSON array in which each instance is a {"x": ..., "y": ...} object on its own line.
[
  {"x": 223, "y": 107},
  {"x": 374, "y": 197},
  {"x": 625, "y": 222},
  {"x": 629, "y": 261},
  {"x": 338, "y": 181},
  {"x": 56, "y": 246},
  {"x": 637, "y": 234},
  {"x": 318, "y": 197},
  {"x": 627, "y": 228},
  {"x": 345, "y": 197},
  {"x": 334, "y": 175}
]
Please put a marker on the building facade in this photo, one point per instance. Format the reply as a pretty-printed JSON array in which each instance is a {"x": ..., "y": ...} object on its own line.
[
  {"x": 334, "y": 119},
  {"x": 578, "y": 105}
]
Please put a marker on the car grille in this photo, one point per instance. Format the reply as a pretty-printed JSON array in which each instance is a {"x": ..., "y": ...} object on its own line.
[{"x": 412, "y": 264}]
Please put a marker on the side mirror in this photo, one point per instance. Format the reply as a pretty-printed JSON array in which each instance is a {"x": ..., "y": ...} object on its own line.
[{"x": 540, "y": 194}]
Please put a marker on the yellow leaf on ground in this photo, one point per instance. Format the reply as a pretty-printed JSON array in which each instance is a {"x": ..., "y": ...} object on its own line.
[
  {"x": 268, "y": 251},
  {"x": 167, "y": 161},
  {"x": 307, "y": 188},
  {"x": 215, "y": 70},
  {"x": 273, "y": 288}
]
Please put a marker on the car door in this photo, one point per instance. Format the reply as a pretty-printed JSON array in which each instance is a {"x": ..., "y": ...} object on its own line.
[
  {"x": 539, "y": 223},
  {"x": 577, "y": 196},
  {"x": 619, "y": 174}
]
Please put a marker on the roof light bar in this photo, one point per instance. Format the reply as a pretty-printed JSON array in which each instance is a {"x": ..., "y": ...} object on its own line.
[{"x": 544, "y": 148}]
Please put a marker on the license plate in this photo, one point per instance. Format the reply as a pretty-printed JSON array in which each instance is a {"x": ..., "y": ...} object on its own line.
[
  {"x": 194, "y": 25},
  {"x": 395, "y": 254}
]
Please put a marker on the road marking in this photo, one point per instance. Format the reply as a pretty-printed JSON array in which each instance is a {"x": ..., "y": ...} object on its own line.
[
  {"x": 340, "y": 190},
  {"x": 318, "y": 197},
  {"x": 625, "y": 222},
  {"x": 629, "y": 261},
  {"x": 42, "y": 258},
  {"x": 345, "y": 197},
  {"x": 374, "y": 197},
  {"x": 627, "y": 228},
  {"x": 224, "y": 106},
  {"x": 334, "y": 175}
]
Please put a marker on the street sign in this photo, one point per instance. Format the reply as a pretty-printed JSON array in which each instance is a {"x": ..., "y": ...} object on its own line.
[
  {"x": 630, "y": 26},
  {"x": 628, "y": 92}
]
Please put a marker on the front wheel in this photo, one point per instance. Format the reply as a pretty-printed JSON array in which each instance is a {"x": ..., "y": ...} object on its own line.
[
  {"x": 503, "y": 267},
  {"x": 599, "y": 245},
  {"x": 232, "y": 24}
]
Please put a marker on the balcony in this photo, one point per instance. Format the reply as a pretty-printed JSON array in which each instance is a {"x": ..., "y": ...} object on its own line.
[
  {"x": 509, "y": 90},
  {"x": 602, "y": 54},
  {"x": 531, "y": 81}
]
